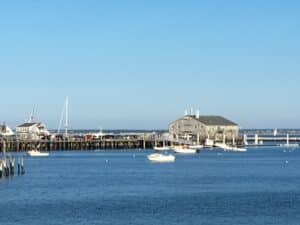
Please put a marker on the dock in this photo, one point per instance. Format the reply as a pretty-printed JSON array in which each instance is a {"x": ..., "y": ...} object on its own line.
[{"x": 133, "y": 140}]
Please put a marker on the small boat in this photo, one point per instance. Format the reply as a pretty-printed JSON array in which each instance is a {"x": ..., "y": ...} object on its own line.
[
  {"x": 157, "y": 157},
  {"x": 161, "y": 148},
  {"x": 289, "y": 145},
  {"x": 230, "y": 148},
  {"x": 184, "y": 150},
  {"x": 197, "y": 147},
  {"x": 238, "y": 149},
  {"x": 36, "y": 153},
  {"x": 209, "y": 142}
]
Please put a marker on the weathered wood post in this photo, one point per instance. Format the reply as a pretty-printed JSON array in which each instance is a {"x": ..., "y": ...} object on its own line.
[
  {"x": 5, "y": 168},
  {"x": 12, "y": 166},
  {"x": 19, "y": 166},
  {"x": 22, "y": 167},
  {"x": 1, "y": 170}
]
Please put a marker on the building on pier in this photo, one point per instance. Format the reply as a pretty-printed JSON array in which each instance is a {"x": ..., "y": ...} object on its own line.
[
  {"x": 196, "y": 127},
  {"x": 32, "y": 131}
]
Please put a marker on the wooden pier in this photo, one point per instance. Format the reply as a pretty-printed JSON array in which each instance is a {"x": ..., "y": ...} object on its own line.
[
  {"x": 14, "y": 145},
  {"x": 134, "y": 141}
]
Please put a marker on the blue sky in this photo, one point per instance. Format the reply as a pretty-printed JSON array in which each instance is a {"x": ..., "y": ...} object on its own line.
[{"x": 140, "y": 64}]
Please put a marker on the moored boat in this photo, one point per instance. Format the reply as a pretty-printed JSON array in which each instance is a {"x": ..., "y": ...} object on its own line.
[
  {"x": 157, "y": 157},
  {"x": 36, "y": 153},
  {"x": 184, "y": 150},
  {"x": 161, "y": 148},
  {"x": 197, "y": 147},
  {"x": 230, "y": 148}
]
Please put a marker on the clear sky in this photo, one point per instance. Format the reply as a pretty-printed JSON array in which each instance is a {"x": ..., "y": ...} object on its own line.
[{"x": 140, "y": 64}]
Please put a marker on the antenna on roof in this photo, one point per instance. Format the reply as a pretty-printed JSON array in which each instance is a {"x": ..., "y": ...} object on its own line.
[
  {"x": 32, "y": 116},
  {"x": 186, "y": 112}
]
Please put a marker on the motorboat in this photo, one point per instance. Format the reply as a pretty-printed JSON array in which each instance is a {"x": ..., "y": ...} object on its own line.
[
  {"x": 197, "y": 147},
  {"x": 184, "y": 150},
  {"x": 161, "y": 148},
  {"x": 209, "y": 142},
  {"x": 157, "y": 157},
  {"x": 36, "y": 153}
]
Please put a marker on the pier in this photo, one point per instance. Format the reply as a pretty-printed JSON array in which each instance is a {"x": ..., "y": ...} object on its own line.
[
  {"x": 86, "y": 142},
  {"x": 135, "y": 140},
  {"x": 75, "y": 142}
]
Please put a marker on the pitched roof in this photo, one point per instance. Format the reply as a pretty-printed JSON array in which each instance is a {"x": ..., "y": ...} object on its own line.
[
  {"x": 27, "y": 124},
  {"x": 215, "y": 121}
]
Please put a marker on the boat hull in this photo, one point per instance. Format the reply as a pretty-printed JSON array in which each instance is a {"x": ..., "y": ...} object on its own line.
[
  {"x": 37, "y": 154},
  {"x": 185, "y": 150},
  {"x": 161, "y": 158},
  {"x": 161, "y": 148}
]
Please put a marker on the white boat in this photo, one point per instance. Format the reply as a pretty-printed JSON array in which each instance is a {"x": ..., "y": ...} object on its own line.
[
  {"x": 184, "y": 150},
  {"x": 230, "y": 148},
  {"x": 209, "y": 142},
  {"x": 161, "y": 148},
  {"x": 36, "y": 153},
  {"x": 197, "y": 147},
  {"x": 289, "y": 145},
  {"x": 237, "y": 149},
  {"x": 157, "y": 157}
]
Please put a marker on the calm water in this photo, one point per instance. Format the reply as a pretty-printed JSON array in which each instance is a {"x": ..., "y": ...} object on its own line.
[{"x": 261, "y": 186}]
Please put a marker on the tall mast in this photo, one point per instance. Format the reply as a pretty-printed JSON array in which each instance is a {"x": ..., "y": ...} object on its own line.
[{"x": 66, "y": 116}]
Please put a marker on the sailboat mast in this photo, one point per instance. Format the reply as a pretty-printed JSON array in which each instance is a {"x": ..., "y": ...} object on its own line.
[{"x": 66, "y": 116}]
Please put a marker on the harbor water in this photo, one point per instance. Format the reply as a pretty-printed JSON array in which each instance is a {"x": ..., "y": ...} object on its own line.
[{"x": 261, "y": 186}]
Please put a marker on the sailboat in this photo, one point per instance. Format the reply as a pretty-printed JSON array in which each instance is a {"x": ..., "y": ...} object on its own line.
[
  {"x": 288, "y": 144},
  {"x": 64, "y": 115}
]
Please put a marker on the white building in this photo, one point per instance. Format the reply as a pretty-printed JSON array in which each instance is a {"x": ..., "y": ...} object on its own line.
[
  {"x": 31, "y": 131},
  {"x": 5, "y": 131}
]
